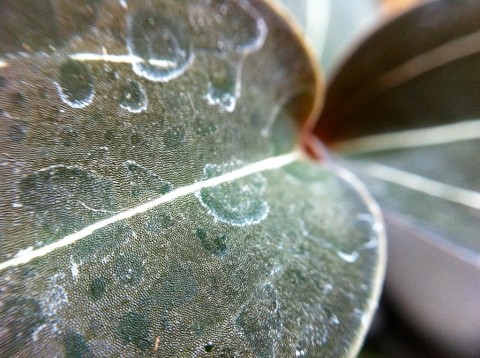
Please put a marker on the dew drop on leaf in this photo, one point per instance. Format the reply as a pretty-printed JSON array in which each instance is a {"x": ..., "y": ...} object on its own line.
[
  {"x": 208, "y": 347},
  {"x": 102, "y": 242},
  {"x": 68, "y": 136},
  {"x": 133, "y": 97},
  {"x": 159, "y": 221},
  {"x": 109, "y": 135},
  {"x": 18, "y": 99},
  {"x": 203, "y": 126},
  {"x": 75, "y": 86},
  {"x": 161, "y": 41},
  {"x": 66, "y": 198},
  {"x": 144, "y": 183},
  {"x": 135, "y": 139},
  {"x": 97, "y": 288},
  {"x": 238, "y": 203},
  {"x": 18, "y": 131},
  {"x": 233, "y": 26},
  {"x": 215, "y": 245},
  {"x": 224, "y": 85}
]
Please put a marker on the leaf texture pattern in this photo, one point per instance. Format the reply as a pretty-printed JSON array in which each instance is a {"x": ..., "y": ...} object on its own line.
[{"x": 153, "y": 198}]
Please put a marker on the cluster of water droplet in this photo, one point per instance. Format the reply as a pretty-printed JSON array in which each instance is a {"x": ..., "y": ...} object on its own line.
[
  {"x": 76, "y": 88},
  {"x": 162, "y": 46},
  {"x": 239, "y": 202}
]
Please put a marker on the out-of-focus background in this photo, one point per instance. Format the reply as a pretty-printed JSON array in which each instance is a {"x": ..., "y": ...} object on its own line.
[{"x": 334, "y": 28}]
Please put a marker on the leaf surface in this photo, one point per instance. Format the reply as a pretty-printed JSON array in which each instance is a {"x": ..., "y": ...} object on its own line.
[
  {"x": 401, "y": 77},
  {"x": 153, "y": 198},
  {"x": 404, "y": 108}
]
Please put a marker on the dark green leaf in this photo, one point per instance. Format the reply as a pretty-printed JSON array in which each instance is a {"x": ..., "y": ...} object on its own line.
[
  {"x": 404, "y": 105},
  {"x": 417, "y": 71},
  {"x": 153, "y": 199}
]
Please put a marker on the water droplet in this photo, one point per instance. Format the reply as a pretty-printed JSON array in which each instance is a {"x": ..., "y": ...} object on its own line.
[
  {"x": 102, "y": 242},
  {"x": 215, "y": 245},
  {"x": 18, "y": 131},
  {"x": 224, "y": 86},
  {"x": 227, "y": 26},
  {"x": 75, "y": 85},
  {"x": 133, "y": 97},
  {"x": 129, "y": 270},
  {"x": 208, "y": 347},
  {"x": 161, "y": 41},
  {"x": 18, "y": 99},
  {"x": 238, "y": 203},
  {"x": 158, "y": 222},
  {"x": 56, "y": 296},
  {"x": 145, "y": 184},
  {"x": 97, "y": 289},
  {"x": 348, "y": 257},
  {"x": 367, "y": 228},
  {"x": 109, "y": 135},
  {"x": 66, "y": 198},
  {"x": 135, "y": 139}
]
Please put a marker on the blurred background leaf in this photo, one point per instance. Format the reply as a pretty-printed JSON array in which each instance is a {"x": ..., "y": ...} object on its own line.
[
  {"x": 331, "y": 26},
  {"x": 403, "y": 108}
]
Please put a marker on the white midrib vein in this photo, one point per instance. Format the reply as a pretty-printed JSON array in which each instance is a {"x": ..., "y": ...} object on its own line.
[{"x": 277, "y": 162}]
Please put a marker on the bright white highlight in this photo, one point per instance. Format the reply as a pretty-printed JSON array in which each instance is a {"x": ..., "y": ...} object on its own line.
[
  {"x": 318, "y": 21},
  {"x": 129, "y": 59}
]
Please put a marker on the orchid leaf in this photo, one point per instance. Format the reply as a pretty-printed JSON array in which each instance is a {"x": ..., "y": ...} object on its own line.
[
  {"x": 404, "y": 109},
  {"x": 154, "y": 199},
  {"x": 394, "y": 75}
]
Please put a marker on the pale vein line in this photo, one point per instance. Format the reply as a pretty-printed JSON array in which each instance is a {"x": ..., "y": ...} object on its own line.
[
  {"x": 421, "y": 184},
  {"x": 27, "y": 255},
  {"x": 449, "y": 133},
  {"x": 129, "y": 59},
  {"x": 438, "y": 57}
]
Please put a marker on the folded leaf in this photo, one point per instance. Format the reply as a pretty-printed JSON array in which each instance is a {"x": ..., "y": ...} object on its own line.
[
  {"x": 153, "y": 198},
  {"x": 404, "y": 107},
  {"x": 414, "y": 72}
]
